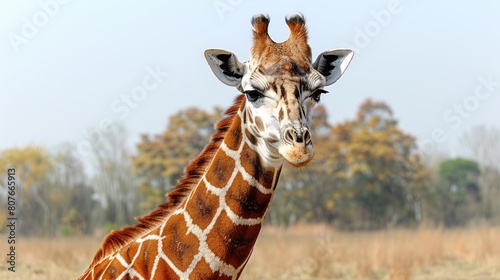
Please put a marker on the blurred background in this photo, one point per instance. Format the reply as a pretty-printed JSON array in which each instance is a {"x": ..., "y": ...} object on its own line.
[{"x": 103, "y": 104}]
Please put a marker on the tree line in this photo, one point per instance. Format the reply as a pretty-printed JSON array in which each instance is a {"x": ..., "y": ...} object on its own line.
[{"x": 367, "y": 174}]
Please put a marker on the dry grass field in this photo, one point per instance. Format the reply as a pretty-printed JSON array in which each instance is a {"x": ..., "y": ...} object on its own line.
[{"x": 306, "y": 252}]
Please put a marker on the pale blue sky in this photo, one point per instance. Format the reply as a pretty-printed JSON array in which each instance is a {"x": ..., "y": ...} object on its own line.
[{"x": 68, "y": 66}]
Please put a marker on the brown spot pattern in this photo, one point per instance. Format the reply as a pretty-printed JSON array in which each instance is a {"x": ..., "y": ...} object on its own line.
[
  {"x": 259, "y": 123},
  {"x": 203, "y": 271},
  {"x": 164, "y": 271},
  {"x": 232, "y": 243},
  {"x": 220, "y": 170},
  {"x": 254, "y": 165},
  {"x": 115, "y": 268},
  {"x": 180, "y": 246},
  {"x": 202, "y": 206},
  {"x": 233, "y": 142},
  {"x": 250, "y": 137},
  {"x": 247, "y": 201}
]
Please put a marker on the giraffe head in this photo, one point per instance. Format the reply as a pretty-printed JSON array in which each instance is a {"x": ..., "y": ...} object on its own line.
[{"x": 282, "y": 86}]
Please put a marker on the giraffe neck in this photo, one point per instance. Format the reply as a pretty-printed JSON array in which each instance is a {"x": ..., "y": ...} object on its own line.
[
  {"x": 226, "y": 210},
  {"x": 211, "y": 233}
]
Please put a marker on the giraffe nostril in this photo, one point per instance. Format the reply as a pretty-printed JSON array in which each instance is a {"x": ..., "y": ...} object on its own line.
[
  {"x": 307, "y": 136},
  {"x": 290, "y": 136}
]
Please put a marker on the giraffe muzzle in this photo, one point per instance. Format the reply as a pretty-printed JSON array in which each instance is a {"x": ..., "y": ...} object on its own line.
[{"x": 296, "y": 146}]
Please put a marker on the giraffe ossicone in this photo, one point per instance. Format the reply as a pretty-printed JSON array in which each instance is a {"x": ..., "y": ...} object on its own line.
[{"x": 212, "y": 218}]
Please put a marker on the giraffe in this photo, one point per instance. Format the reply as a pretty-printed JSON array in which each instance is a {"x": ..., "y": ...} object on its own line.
[{"x": 212, "y": 218}]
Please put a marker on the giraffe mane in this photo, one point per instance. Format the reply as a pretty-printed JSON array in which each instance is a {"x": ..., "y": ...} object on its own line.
[{"x": 192, "y": 175}]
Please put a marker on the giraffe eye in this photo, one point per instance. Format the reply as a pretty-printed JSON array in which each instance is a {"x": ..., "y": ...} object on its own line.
[
  {"x": 317, "y": 94},
  {"x": 253, "y": 95}
]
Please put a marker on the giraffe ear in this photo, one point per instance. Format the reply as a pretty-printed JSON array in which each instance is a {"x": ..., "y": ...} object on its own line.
[
  {"x": 225, "y": 66},
  {"x": 332, "y": 64}
]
